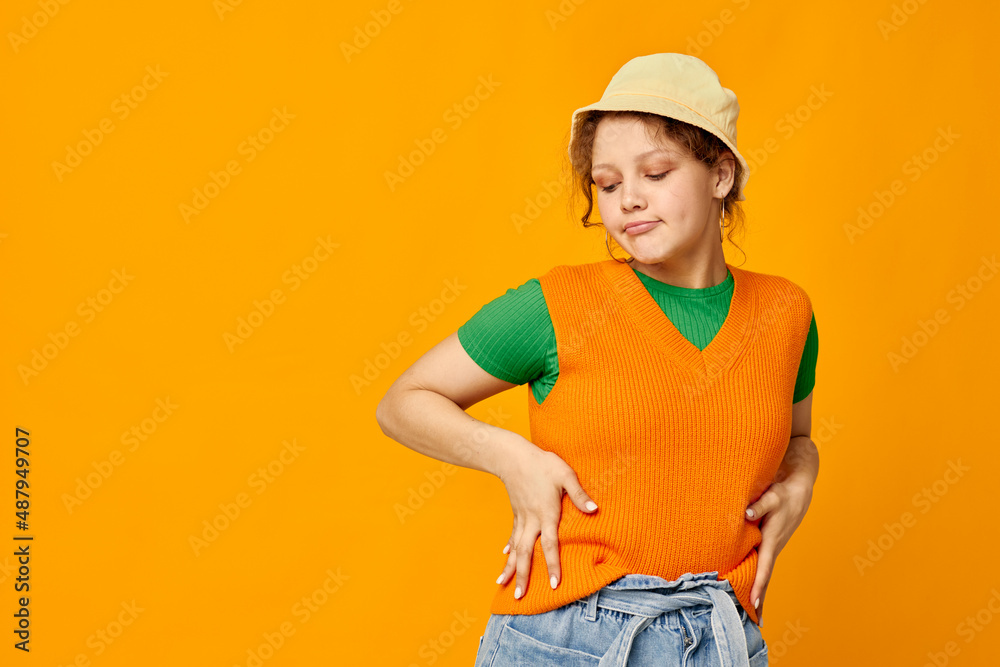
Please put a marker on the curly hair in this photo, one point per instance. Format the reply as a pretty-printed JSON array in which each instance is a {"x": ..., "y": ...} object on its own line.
[{"x": 700, "y": 145}]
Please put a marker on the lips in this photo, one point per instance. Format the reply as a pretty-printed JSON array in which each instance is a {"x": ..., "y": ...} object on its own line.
[{"x": 640, "y": 226}]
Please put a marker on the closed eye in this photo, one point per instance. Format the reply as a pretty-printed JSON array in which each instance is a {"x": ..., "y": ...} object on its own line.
[{"x": 655, "y": 177}]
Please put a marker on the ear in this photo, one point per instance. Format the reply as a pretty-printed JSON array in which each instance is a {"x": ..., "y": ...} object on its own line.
[{"x": 725, "y": 173}]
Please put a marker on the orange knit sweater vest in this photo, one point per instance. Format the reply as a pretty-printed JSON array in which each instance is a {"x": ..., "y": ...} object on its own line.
[{"x": 671, "y": 442}]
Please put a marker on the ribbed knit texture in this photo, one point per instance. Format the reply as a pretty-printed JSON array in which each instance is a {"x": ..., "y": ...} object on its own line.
[
  {"x": 511, "y": 337},
  {"x": 672, "y": 442}
]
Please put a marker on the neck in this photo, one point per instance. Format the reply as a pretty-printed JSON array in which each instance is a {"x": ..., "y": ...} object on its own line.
[{"x": 686, "y": 272}]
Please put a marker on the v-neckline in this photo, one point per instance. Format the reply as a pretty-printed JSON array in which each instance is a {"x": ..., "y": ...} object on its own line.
[{"x": 646, "y": 312}]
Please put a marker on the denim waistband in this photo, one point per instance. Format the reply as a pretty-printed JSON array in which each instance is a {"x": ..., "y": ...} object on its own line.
[{"x": 647, "y": 597}]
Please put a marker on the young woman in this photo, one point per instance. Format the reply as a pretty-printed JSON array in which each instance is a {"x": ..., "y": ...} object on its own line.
[{"x": 669, "y": 404}]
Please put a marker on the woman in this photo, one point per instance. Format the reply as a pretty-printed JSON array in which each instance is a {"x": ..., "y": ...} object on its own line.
[{"x": 669, "y": 459}]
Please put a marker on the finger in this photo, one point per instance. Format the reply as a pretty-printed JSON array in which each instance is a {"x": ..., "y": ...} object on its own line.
[
  {"x": 510, "y": 540},
  {"x": 762, "y": 506},
  {"x": 757, "y": 590},
  {"x": 525, "y": 545},
  {"x": 765, "y": 568},
  {"x": 760, "y": 610},
  {"x": 550, "y": 547},
  {"x": 580, "y": 498},
  {"x": 766, "y": 556},
  {"x": 509, "y": 567}
]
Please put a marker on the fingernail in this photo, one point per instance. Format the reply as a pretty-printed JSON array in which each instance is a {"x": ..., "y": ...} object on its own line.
[
  {"x": 506, "y": 548},
  {"x": 749, "y": 512},
  {"x": 591, "y": 505},
  {"x": 517, "y": 592},
  {"x": 500, "y": 578},
  {"x": 756, "y": 603},
  {"x": 553, "y": 581}
]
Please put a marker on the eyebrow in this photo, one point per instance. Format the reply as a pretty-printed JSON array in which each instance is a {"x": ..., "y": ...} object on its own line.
[{"x": 669, "y": 153}]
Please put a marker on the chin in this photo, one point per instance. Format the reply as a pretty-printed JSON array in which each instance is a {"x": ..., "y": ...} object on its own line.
[{"x": 646, "y": 256}]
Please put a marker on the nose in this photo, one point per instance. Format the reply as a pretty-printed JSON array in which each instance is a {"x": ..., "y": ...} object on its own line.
[{"x": 632, "y": 198}]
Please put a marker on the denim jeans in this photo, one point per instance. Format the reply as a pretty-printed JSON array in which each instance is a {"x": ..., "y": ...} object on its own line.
[{"x": 638, "y": 619}]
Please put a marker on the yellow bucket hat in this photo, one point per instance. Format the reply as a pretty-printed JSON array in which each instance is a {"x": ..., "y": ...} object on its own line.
[{"x": 678, "y": 86}]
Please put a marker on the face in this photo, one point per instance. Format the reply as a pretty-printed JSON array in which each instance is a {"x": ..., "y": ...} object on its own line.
[{"x": 658, "y": 203}]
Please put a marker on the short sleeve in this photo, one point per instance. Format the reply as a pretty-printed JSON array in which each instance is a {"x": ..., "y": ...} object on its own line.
[
  {"x": 806, "y": 379},
  {"x": 509, "y": 336}
]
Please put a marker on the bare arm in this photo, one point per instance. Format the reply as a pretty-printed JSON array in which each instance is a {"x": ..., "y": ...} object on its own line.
[
  {"x": 424, "y": 409},
  {"x": 801, "y": 462},
  {"x": 782, "y": 507}
]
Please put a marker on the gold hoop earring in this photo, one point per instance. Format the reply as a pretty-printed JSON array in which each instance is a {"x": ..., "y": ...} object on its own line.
[
  {"x": 611, "y": 253},
  {"x": 722, "y": 222}
]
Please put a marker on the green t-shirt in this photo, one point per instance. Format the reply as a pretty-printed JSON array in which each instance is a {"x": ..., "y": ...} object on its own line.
[{"x": 512, "y": 338}]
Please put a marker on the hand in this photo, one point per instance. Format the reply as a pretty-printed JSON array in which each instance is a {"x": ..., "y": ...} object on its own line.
[
  {"x": 536, "y": 480},
  {"x": 780, "y": 510}
]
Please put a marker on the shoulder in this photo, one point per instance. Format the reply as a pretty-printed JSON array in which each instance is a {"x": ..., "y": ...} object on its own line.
[
  {"x": 573, "y": 286},
  {"x": 521, "y": 300},
  {"x": 518, "y": 314},
  {"x": 574, "y": 274},
  {"x": 576, "y": 269},
  {"x": 777, "y": 287}
]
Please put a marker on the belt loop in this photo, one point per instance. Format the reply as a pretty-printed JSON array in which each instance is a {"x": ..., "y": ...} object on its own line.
[{"x": 591, "y": 614}]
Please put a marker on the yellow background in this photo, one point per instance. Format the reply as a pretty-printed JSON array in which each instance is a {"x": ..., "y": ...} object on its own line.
[{"x": 884, "y": 433}]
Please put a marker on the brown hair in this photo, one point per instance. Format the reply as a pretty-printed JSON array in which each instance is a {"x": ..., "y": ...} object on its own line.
[{"x": 700, "y": 144}]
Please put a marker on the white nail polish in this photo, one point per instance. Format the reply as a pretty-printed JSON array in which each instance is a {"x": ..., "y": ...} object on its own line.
[
  {"x": 756, "y": 603},
  {"x": 506, "y": 548},
  {"x": 749, "y": 512},
  {"x": 500, "y": 578},
  {"x": 591, "y": 505},
  {"x": 517, "y": 592},
  {"x": 553, "y": 581}
]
